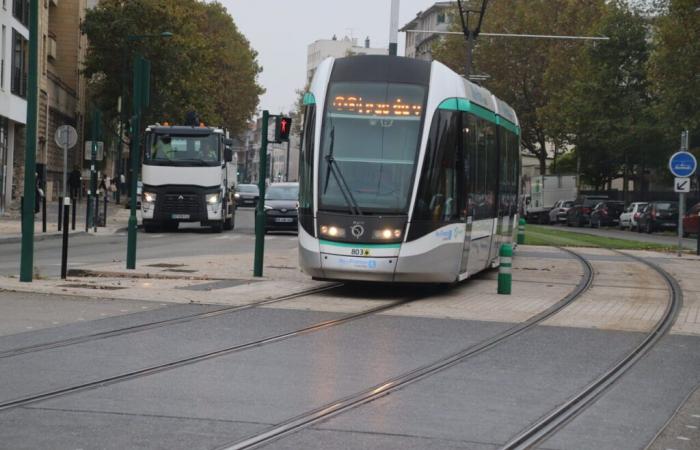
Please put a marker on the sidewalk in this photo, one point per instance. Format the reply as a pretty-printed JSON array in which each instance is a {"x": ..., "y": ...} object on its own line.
[{"x": 11, "y": 224}]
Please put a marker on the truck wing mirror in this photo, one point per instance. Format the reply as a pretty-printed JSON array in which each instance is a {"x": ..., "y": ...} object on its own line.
[{"x": 228, "y": 154}]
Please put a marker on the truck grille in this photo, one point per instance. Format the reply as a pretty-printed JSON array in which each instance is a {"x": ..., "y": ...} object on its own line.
[{"x": 183, "y": 204}]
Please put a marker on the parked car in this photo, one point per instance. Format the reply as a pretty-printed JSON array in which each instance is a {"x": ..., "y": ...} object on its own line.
[
  {"x": 580, "y": 214},
  {"x": 628, "y": 219},
  {"x": 558, "y": 212},
  {"x": 606, "y": 214},
  {"x": 246, "y": 195},
  {"x": 281, "y": 203},
  {"x": 691, "y": 221},
  {"x": 658, "y": 216}
]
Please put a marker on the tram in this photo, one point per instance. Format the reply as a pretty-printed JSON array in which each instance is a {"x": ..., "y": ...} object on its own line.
[{"x": 407, "y": 172}]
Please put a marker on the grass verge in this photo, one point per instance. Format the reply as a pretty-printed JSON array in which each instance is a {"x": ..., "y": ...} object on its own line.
[{"x": 537, "y": 235}]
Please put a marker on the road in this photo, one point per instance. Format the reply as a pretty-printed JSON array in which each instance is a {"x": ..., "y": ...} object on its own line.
[
  {"x": 85, "y": 250},
  {"x": 654, "y": 238}
]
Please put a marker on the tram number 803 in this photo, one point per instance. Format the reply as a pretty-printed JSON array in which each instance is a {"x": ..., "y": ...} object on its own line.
[{"x": 359, "y": 252}]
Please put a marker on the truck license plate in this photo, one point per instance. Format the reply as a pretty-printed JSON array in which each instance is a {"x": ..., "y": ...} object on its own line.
[
  {"x": 284, "y": 219},
  {"x": 180, "y": 216}
]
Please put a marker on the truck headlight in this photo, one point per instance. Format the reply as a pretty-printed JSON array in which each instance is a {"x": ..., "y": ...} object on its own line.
[
  {"x": 237, "y": 195},
  {"x": 213, "y": 199},
  {"x": 149, "y": 197}
]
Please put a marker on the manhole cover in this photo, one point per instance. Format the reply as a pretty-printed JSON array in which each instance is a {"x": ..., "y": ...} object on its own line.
[{"x": 221, "y": 284}]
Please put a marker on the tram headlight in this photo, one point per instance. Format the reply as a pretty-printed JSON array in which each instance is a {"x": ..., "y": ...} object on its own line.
[
  {"x": 332, "y": 231},
  {"x": 387, "y": 233}
]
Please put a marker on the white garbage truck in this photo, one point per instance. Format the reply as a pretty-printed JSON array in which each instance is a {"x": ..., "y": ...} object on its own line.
[
  {"x": 189, "y": 175},
  {"x": 540, "y": 193}
]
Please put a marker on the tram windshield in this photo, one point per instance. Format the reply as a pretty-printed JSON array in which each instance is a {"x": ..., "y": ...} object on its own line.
[{"x": 370, "y": 142}]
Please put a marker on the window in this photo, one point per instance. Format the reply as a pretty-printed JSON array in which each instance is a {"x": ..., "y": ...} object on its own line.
[
  {"x": 20, "y": 9},
  {"x": 19, "y": 64},
  {"x": 3, "y": 42},
  {"x": 306, "y": 171},
  {"x": 441, "y": 18}
]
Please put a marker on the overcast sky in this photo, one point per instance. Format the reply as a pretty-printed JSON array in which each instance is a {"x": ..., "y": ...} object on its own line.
[{"x": 281, "y": 30}]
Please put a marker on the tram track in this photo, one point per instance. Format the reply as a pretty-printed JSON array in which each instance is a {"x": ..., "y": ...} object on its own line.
[
  {"x": 160, "y": 323},
  {"x": 345, "y": 404},
  {"x": 151, "y": 370},
  {"x": 556, "y": 419}
]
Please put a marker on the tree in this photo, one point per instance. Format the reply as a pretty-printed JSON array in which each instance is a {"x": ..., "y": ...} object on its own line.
[
  {"x": 207, "y": 65},
  {"x": 520, "y": 70}
]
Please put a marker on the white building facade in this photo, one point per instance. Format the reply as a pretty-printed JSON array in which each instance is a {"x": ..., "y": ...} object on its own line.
[
  {"x": 14, "y": 52},
  {"x": 337, "y": 48},
  {"x": 419, "y": 39}
]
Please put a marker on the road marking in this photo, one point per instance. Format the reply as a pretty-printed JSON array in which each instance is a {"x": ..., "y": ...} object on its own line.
[
  {"x": 29, "y": 328},
  {"x": 697, "y": 416},
  {"x": 682, "y": 438},
  {"x": 692, "y": 427},
  {"x": 55, "y": 323}
]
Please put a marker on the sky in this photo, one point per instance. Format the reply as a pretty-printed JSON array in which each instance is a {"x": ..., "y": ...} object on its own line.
[{"x": 281, "y": 30}]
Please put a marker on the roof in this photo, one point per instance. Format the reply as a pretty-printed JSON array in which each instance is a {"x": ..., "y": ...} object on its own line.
[{"x": 421, "y": 14}]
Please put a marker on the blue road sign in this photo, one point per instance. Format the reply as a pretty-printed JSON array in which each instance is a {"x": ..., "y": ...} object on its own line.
[{"x": 682, "y": 164}]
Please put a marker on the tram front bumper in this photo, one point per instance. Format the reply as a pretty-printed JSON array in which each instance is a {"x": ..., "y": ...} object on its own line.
[{"x": 358, "y": 267}]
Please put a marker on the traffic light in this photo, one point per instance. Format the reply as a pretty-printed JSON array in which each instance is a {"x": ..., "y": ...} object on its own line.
[{"x": 283, "y": 126}]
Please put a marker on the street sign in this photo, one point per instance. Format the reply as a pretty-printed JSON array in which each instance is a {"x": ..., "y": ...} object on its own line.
[
  {"x": 682, "y": 164},
  {"x": 66, "y": 136},
  {"x": 100, "y": 150},
  {"x": 682, "y": 185}
]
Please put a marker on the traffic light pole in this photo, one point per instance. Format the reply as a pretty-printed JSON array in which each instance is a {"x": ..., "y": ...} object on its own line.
[
  {"x": 26, "y": 267},
  {"x": 260, "y": 208}
]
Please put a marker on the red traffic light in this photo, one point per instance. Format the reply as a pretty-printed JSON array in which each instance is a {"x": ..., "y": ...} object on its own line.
[{"x": 283, "y": 126}]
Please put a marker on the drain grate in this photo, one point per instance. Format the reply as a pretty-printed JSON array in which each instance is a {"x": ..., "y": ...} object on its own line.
[{"x": 221, "y": 284}]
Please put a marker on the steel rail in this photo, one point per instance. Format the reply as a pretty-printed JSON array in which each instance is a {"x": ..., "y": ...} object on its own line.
[
  {"x": 160, "y": 323},
  {"x": 561, "y": 415},
  {"x": 384, "y": 388},
  {"x": 33, "y": 398}
]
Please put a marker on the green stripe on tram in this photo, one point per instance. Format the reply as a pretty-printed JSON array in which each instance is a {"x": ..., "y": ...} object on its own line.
[
  {"x": 358, "y": 245},
  {"x": 309, "y": 99},
  {"x": 462, "y": 104}
]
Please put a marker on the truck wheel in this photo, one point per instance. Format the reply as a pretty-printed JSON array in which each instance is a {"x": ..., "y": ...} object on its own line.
[
  {"x": 228, "y": 224},
  {"x": 217, "y": 227}
]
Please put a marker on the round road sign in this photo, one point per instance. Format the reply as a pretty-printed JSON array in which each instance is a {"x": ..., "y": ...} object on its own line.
[
  {"x": 66, "y": 136},
  {"x": 682, "y": 164}
]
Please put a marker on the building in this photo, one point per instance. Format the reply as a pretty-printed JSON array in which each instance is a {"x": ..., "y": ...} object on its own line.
[
  {"x": 61, "y": 89},
  {"x": 337, "y": 48},
  {"x": 419, "y": 39},
  {"x": 14, "y": 47}
]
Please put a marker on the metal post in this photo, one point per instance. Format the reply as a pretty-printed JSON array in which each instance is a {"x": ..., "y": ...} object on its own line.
[
  {"x": 134, "y": 160},
  {"x": 26, "y": 267},
  {"x": 681, "y": 213},
  {"x": 43, "y": 210},
  {"x": 260, "y": 208},
  {"x": 74, "y": 206},
  {"x": 470, "y": 48},
  {"x": 60, "y": 213},
  {"x": 106, "y": 200},
  {"x": 95, "y": 211},
  {"x": 286, "y": 170},
  {"x": 64, "y": 249},
  {"x": 119, "y": 149},
  {"x": 394, "y": 28}
]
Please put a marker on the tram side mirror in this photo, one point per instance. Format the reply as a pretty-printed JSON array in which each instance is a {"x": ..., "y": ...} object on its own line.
[{"x": 228, "y": 154}]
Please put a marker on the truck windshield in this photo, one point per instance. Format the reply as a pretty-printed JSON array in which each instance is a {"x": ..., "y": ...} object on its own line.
[
  {"x": 370, "y": 139},
  {"x": 166, "y": 149}
]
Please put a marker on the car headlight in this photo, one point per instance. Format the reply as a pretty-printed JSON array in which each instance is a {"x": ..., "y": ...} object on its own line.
[
  {"x": 237, "y": 195},
  {"x": 149, "y": 197},
  {"x": 332, "y": 231},
  {"x": 387, "y": 233},
  {"x": 213, "y": 199}
]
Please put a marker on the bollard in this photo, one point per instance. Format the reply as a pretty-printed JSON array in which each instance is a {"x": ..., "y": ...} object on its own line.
[
  {"x": 43, "y": 214},
  {"x": 60, "y": 213},
  {"x": 504, "y": 270},
  {"x": 104, "y": 224},
  {"x": 74, "y": 206},
  {"x": 521, "y": 231},
  {"x": 64, "y": 248}
]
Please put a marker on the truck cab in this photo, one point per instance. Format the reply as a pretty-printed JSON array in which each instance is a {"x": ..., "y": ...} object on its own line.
[{"x": 188, "y": 175}]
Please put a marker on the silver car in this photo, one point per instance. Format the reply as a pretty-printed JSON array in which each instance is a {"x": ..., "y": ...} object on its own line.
[
  {"x": 558, "y": 212},
  {"x": 628, "y": 219}
]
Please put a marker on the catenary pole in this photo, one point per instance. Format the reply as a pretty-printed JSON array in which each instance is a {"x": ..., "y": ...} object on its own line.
[
  {"x": 394, "y": 28},
  {"x": 260, "y": 207},
  {"x": 27, "y": 252}
]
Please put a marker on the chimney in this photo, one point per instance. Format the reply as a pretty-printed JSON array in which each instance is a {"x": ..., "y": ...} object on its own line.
[{"x": 367, "y": 42}]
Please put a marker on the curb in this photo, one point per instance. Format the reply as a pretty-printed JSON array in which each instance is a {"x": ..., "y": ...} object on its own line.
[{"x": 39, "y": 237}]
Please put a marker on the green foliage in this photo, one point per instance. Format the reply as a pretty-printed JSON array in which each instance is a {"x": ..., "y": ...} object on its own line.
[
  {"x": 207, "y": 65},
  {"x": 549, "y": 236}
]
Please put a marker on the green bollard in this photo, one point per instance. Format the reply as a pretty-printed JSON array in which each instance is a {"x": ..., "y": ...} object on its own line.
[
  {"x": 504, "y": 270},
  {"x": 521, "y": 231}
]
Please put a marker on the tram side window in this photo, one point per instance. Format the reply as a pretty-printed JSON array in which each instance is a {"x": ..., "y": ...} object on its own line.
[
  {"x": 306, "y": 171},
  {"x": 491, "y": 182},
  {"x": 437, "y": 199}
]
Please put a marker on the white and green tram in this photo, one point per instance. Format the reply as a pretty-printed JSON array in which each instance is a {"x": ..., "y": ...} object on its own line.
[{"x": 408, "y": 173}]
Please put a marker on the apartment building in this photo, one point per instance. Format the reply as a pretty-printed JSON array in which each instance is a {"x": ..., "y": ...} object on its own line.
[
  {"x": 419, "y": 36},
  {"x": 338, "y": 48},
  {"x": 14, "y": 35}
]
